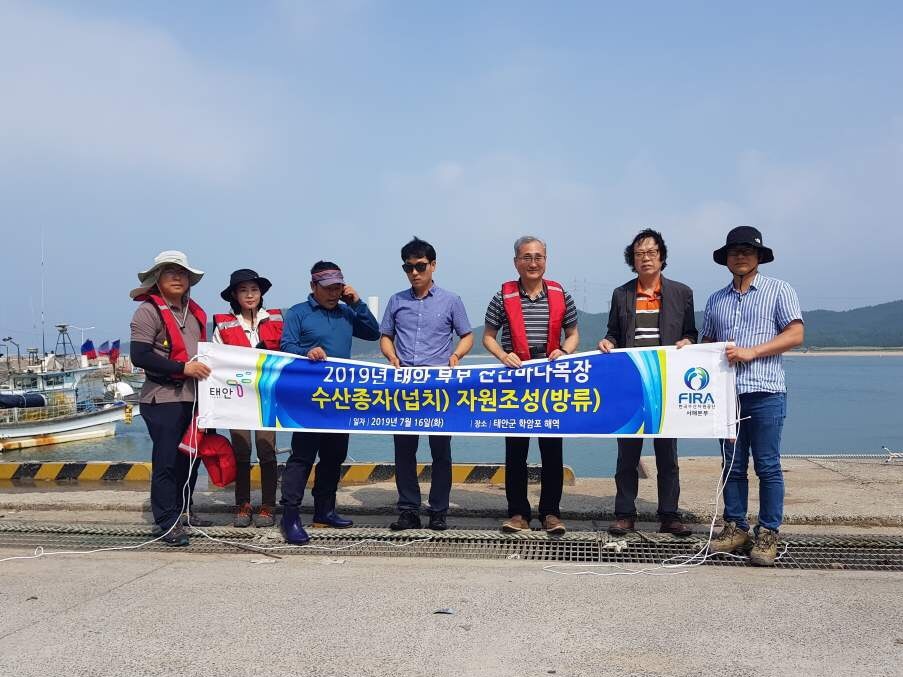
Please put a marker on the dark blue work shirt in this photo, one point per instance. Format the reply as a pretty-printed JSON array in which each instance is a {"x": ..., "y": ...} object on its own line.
[{"x": 308, "y": 325}]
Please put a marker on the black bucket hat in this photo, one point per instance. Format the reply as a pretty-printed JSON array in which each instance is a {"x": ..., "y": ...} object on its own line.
[
  {"x": 743, "y": 235},
  {"x": 244, "y": 275}
]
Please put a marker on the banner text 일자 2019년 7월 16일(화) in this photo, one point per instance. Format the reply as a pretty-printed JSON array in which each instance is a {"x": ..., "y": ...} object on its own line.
[{"x": 650, "y": 392}]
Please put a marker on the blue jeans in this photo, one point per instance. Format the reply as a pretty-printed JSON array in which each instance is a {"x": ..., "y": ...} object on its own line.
[{"x": 760, "y": 434}]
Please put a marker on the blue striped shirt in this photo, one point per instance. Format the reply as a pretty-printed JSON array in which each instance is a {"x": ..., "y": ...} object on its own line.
[{"x": 751, "y": 318}]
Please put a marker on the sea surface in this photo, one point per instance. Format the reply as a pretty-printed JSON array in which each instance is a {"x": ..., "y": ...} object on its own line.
[{"x": 836, "y": 404}]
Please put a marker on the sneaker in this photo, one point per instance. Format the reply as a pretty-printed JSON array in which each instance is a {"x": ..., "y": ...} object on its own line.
[
  {"x": 437, "y": 521},
  {"x": 621, "y": 526},
  {"x": 674, "y": 527},
  {"x": 765, "y": 548},
  {"x": 408, "y": 519},
  {"x": 731, "y": 539},
  {"x": 514, "y": 524},
  {"x": 553, "y": 525},
  {"x": 264, "y": 517},
  {"x": 177, "y": 537},
  {"x": 243, "y": 516}
]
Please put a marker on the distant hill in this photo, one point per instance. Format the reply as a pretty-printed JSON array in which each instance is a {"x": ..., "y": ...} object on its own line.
[{"x": 878, "y": 326}]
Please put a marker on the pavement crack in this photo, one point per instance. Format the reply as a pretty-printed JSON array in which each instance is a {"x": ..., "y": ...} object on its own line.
[{"x": 84, "y": 601}]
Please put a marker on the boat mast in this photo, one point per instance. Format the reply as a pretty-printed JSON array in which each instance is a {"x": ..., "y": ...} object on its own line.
[{"x": 43, "y": 336}]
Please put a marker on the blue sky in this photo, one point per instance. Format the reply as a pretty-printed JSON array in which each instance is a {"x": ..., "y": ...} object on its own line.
[{"x": 272, "y": 134}]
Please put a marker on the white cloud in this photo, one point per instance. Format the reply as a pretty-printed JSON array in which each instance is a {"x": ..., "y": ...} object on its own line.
[{"x": 106, "y": 93}]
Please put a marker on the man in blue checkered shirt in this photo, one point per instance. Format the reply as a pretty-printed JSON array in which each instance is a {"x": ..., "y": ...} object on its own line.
[{"x": 761, "y": 319}]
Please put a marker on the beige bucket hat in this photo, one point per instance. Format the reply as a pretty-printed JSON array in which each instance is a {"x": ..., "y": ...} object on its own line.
[{"x": 148, "y": 278}]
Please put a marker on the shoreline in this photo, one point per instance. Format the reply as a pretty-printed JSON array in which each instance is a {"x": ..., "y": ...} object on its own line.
[
  {"x": 818, "y": 352},
  {"x": 832, "y": 352}
]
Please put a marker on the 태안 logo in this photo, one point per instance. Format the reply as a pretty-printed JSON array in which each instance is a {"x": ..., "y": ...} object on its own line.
[{"x": 696, "y": 378}]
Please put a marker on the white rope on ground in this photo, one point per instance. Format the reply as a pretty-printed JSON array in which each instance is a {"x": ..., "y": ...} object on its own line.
[
  {"x": 40, "y": 552},
  {"x": 682, "y": 565}
]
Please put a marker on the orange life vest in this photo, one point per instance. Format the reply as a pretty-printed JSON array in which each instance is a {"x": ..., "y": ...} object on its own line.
[
  {"x": 232, "y": 333},
  {"x": 176, "y": 343},
  {"x": 515, "y": 313}
]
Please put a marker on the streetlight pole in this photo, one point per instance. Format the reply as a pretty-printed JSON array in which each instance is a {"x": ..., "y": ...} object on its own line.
[{"x": 9, "y": 339}]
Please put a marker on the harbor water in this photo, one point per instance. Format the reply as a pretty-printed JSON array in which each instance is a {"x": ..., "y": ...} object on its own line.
[{"x": 836, "y": 404}]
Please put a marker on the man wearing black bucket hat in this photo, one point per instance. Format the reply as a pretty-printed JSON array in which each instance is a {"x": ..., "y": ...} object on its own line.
[{"x": 760, "y": 317}]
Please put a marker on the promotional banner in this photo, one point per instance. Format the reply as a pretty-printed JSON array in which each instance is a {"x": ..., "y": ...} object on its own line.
[{"x": 639, "y": 392}]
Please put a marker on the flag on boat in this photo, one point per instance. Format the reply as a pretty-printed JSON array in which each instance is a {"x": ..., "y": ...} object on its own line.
[
  {"x": 114, "y": 351},
  {"x": 104, "y": 348},
  {"x": 88, "y": 350}
]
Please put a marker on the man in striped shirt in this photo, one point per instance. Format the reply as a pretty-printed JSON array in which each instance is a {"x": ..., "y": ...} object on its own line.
[
  {"x": 761, "y": 318},
  {"x": 524, "y": 321},
  {"x": 650, "y": 310}
]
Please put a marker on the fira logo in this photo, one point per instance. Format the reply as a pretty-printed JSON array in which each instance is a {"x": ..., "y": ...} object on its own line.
[
  {"x": 696, "y": 378},
  {"x": 695, "y": 398}
]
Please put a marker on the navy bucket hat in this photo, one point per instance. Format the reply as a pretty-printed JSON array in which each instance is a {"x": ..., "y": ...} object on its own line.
[{"x": 743, "y": 236}]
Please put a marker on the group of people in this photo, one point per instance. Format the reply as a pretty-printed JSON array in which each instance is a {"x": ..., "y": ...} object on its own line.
[{"x": 530, "y": 317}]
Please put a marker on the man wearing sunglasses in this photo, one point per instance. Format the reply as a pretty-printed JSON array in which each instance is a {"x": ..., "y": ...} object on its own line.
[
  {"x": 524, "y": 321},
  {"x": 418, "y": 330}
]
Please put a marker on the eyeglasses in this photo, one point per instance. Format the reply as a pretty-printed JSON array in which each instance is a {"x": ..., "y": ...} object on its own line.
[
  {"x": 741, "y": 251},
  {"x": 643, "y": 253},
  {"x": 411, "y": 267},
  {"x": 528, "y": 258},
  {"x": 174, "y": 272}
]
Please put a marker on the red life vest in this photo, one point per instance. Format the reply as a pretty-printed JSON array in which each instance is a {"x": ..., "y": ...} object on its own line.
[
  {"x": 232, "y": 333},
  {"x": 515, "y": 313},
  {"x": 177, "y": 350}
]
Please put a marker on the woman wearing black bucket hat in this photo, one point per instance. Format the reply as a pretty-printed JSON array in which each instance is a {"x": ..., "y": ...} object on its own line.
[{"x": 251, "y": 326}]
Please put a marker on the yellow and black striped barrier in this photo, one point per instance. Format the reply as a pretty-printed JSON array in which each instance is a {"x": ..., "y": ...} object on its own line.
[
  {"x": 352, "y": 473},
  {"x": 70, "y": 471}
]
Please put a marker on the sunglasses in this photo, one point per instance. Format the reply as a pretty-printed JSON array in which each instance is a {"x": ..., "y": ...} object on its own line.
[{"x": 411, "y": 267}]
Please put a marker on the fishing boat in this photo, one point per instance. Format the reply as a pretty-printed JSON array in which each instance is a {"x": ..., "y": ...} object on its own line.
[{"x": 47, "y": 403}]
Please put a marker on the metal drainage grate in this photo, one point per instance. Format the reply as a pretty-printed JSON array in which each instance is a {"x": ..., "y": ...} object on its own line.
[{"x": 873, "y": 553}]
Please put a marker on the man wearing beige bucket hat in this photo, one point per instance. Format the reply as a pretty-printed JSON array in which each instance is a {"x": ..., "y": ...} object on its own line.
[{"x": 165, "y": 331}]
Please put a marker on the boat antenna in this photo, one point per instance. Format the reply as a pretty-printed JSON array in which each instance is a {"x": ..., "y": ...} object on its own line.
[{"x": 43, "y": 336}]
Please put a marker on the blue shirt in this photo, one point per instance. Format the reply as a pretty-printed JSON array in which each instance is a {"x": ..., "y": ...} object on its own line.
[
  {"x": 423, "y": 329},
  {"x": 751, "y": 318},
  {"x": 308, "y": 325}
]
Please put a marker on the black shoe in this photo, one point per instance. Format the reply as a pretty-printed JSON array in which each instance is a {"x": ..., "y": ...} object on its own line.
[
  {"x": 196, "y": 520},
  {"x": 437, "y": 521},
  {"x": 176, "y": 537},
  {"x": 408, "y": 519}
]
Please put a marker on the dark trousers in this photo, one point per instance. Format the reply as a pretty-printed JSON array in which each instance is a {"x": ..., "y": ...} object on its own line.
[
  {"x": 166, "y": 424},
  {"x": 550, "y": 449},
  {"x": 332, "y": 448},
  {"x": 627, "y": 477},
  {"x": 265, "y": 441},
  {"x": 406, "y": 472}
]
